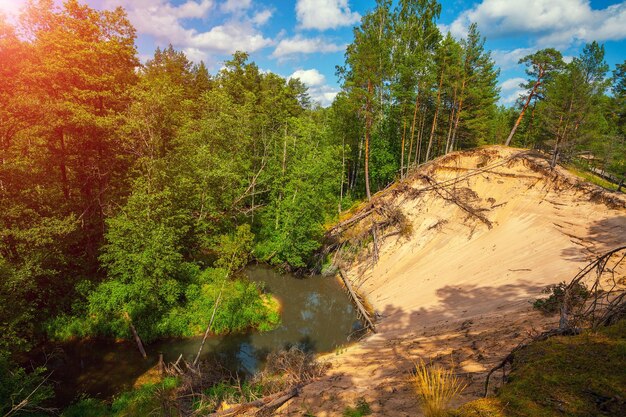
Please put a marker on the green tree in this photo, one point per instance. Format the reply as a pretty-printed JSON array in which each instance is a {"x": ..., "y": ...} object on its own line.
[
  {"x": 366, "y": 69},
  {"x": 540, "y": 67},
  {"x": 477, "y": 95}
]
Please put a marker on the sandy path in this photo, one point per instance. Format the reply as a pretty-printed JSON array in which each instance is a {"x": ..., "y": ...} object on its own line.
[{"x": 459, "y": 291}]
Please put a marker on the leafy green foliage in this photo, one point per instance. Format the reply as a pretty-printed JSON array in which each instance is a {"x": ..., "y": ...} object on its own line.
[
  {"x": 143, "y": 401},
  {"x": 553, "y": 303},
  {"x": 21, "y": 392}
]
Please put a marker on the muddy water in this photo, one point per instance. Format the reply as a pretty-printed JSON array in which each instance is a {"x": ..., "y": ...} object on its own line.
[{"x": 316, "y": 315}]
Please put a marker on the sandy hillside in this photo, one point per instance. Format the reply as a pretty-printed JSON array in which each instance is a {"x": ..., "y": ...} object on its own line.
[{"x": 457, "y": 288}]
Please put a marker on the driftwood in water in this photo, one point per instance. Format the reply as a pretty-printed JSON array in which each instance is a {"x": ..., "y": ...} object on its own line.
[
  {"x": 161, "y": 365},
  {"x": 135, "y": 335},
  {"x": 357, "y": 301},
  {"x": 266, "y": 404}
]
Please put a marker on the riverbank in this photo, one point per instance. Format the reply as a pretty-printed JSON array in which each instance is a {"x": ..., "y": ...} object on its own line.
[
  {"x": 315, "y": 315},
  {"x": 457, "y": 288}
]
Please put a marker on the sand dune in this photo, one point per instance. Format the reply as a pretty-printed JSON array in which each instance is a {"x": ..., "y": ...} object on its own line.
[{"x": 458, "y": 288}]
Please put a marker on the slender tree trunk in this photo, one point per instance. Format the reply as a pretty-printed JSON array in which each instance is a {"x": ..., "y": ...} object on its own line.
[
  {"x": 208, "y": 328},
  {"x": 432, "y": 130},
  {"x": 521, "y": 115},
  {"x": 556, "y": 143},
  {"x": 402, "y": 151},
  {"x": 531, "y": 123},
  {"x": 563, "y": 134},
  {"x": 62, "y": 166},
  {"x": 368, "y": 125},
  {"x": 355, "y": 171},
  {"x": 418, "y": 143},
  {"x": 343, "y": 169},
  {"x": 458, "y": 116},
  {"x": 408, "y": 161},
  {"x": 450, "y": 122}
]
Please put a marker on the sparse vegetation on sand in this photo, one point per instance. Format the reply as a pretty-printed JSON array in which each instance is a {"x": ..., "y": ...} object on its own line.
[{"x": 583, "y": 375}]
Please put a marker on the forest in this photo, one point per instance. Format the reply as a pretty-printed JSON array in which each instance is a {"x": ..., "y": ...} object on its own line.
[{"x": 132, "y": 193}]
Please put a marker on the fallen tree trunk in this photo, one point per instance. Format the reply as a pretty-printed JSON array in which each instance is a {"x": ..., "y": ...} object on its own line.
[
  {"x": 361, "y": 309},
  {"x": 266, "y": 403}
]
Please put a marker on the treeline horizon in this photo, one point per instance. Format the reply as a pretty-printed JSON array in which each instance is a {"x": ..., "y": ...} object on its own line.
[{"x": 131, "y": 194}]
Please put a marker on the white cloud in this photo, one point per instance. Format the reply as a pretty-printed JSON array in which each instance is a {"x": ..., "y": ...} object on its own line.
[
  {"x": 325, "y": 14},
  {"x": 511, "y": 90},
  {"x": 229, "y": 38},
  {"x": 195, "y": 54},
  {"x": 319, "y": 91},
  {"x": 509, "y": 59},
  {"x": 310, "y": 77},
  {"x": 232, "y": 6},
  {"x": 512, "y": 83},
  {"x": 301, "y": 45},
  {"x": 262, "y": 17},
  {"x": 553, "y": 22},
  {"x": 166, "y": 23}
]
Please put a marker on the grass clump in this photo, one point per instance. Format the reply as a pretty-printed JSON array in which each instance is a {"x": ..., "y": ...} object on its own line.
[
  {"x": 484, "y": 407},
  {"x": 362, "y": 408},
  {"x": 436, "y": 387}
]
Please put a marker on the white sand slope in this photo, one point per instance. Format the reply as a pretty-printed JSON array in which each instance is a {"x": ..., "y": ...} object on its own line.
[{"x": 458, "y": 289}]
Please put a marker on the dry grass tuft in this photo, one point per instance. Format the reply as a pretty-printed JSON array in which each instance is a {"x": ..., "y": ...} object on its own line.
[{"x": 436, "y": 387}]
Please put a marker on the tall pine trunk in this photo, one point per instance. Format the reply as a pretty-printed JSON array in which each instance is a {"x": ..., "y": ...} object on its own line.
[
  {"x": 418, "y": 143},
  {"x": 368, "y": 126},
  {"x": 521, "y": 115},
  {"x": 451, "y": 121},
  {"x": 402, "y": 151},
  {"x": 458, "y": 116},
  {"x": 434, "y": 126},
  {"x": 408, "y": 161}
]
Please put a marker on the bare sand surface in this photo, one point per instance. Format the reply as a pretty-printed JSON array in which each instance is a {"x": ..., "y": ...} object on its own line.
[{"x": 458, "y": 289}]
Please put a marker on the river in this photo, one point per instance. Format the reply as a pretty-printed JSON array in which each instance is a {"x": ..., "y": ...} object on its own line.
[{"x": 316, "y": 314}]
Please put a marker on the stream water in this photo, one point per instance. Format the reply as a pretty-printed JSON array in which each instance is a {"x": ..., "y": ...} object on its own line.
[{"x": 316, "y": 315}]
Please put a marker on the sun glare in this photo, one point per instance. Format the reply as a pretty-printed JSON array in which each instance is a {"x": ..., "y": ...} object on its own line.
[{"x": 11, "y": 6}]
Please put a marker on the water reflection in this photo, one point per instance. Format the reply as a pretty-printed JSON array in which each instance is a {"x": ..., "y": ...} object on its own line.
[{"x": 316, "y": 315}]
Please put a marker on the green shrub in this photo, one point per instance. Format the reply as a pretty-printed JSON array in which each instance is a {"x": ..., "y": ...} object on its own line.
[
  {"x": 143, "y": 401},
  {"x": 18, "y": 386},
  {"x": 553, "y": 303},
  {"x": 242, "y": 306},
  {"x": 362, "y": 408}
]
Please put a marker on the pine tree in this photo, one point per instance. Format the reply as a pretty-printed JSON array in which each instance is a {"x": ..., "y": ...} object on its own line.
[{"x": 540, "y": 67}]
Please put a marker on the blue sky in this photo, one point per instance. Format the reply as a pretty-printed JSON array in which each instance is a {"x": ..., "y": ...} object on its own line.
[{"x": 307, "y": 38}]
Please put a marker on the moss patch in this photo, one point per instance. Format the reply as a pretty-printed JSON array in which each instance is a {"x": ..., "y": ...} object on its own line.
[{"x": 581, "y": 375}]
